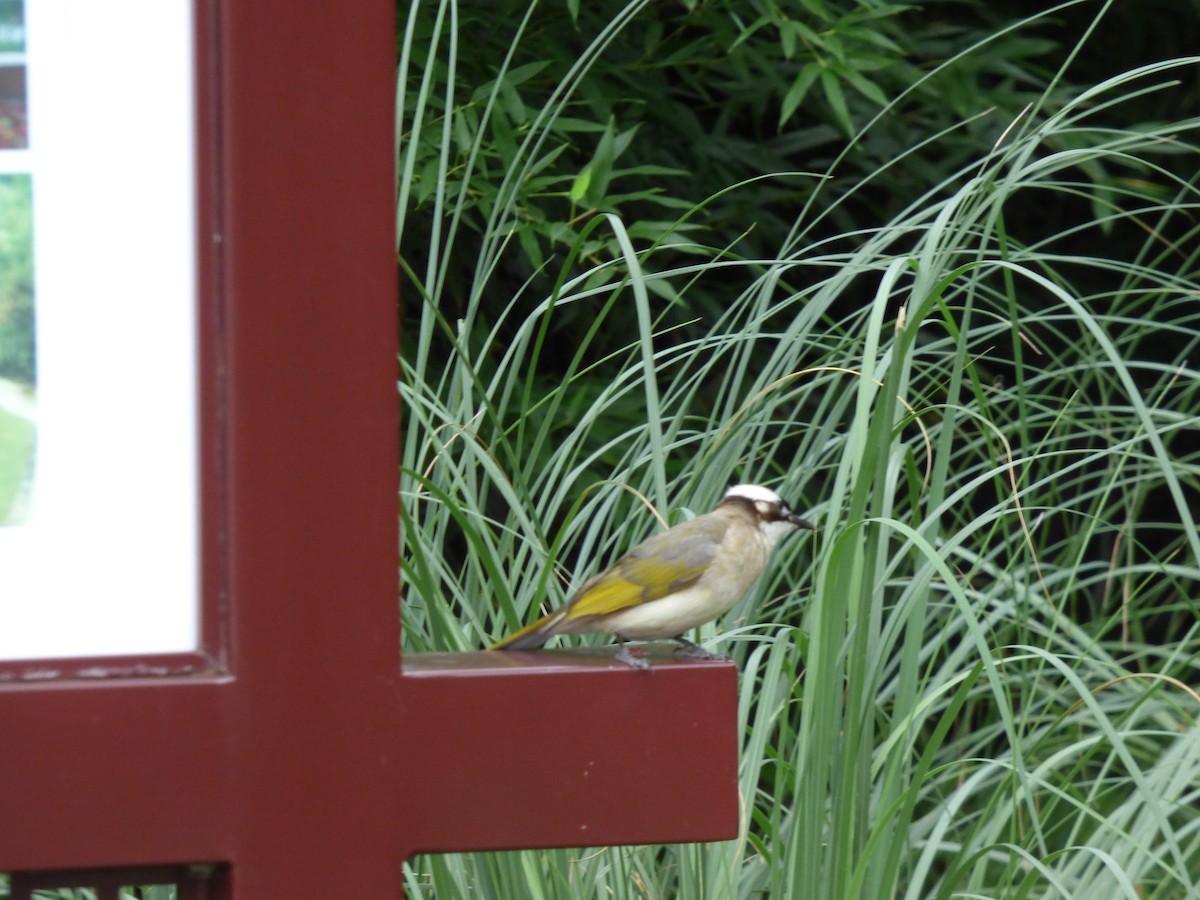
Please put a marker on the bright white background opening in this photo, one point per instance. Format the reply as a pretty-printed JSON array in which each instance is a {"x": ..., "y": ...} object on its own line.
[{"x": 106, "y": 562}]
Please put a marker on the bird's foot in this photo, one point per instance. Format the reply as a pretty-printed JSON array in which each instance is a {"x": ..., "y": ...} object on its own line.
[
  {"x": 690, "y": 650},
  {"x": 633, "y": 658}
]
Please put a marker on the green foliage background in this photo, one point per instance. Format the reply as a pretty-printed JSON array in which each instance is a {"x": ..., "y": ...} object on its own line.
[
  {"x": 843, "y": 112},
  {"x": 928, "y": 270},
  {"x": 17, "y": 358}
]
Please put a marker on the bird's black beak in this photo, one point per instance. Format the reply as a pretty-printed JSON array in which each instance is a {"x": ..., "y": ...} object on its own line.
[{"x": 799, "y": 522}]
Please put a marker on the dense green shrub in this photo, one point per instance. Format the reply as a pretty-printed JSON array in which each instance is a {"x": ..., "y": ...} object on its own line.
[{"x": 963, "y": 342}]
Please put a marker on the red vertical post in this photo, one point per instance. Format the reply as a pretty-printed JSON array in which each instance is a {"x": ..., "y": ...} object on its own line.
[
  {"x": 280, "y": 759},
  {"x": 310, "y": 298}
]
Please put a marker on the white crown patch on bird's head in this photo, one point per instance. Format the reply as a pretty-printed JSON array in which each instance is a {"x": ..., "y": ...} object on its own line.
[
  {"x": 775, "y": 517},
  {"x": 753, "y": 492}
]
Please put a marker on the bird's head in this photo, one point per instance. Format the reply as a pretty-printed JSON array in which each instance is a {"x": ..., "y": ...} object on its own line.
[{"x": 775, "y": 518}]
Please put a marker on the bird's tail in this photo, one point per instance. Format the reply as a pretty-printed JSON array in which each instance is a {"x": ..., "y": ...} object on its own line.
[{"x": 530, "y": 637}]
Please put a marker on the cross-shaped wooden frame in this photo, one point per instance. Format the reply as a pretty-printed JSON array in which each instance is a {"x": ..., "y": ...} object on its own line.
[{"x": 294, "y": 751}]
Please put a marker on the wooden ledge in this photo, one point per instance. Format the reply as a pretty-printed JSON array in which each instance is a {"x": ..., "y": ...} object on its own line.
[
  {"x": 661, "y": 656},
  {"x": 568, "y": 748}
]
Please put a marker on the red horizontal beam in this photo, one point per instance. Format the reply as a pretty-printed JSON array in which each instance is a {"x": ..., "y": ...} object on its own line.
[
  {"x": 567, "y": 749},
  {"x": 495, "y": 750},
  {"x": 114, "y": 773}
]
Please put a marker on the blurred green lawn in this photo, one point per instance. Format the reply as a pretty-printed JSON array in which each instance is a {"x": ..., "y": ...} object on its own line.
[{"x": 16, "y": 447}]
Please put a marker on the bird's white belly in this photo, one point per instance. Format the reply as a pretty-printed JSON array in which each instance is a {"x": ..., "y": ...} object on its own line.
[{"x": 669, "y": 616}]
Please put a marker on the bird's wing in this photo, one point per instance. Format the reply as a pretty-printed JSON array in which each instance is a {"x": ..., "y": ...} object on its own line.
[{"x": 661, "y": 565}]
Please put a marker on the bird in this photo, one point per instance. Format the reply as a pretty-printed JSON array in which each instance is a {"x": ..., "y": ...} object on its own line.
[{"x": 675, "y": 580}]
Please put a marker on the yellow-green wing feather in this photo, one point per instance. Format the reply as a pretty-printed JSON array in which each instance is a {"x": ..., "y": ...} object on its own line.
[{"x": 660, "y": 565}]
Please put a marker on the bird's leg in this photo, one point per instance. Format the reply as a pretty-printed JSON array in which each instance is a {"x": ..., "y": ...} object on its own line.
[
  {"x": 623, "y": 655},
  {"x": 694, "y": 651}
]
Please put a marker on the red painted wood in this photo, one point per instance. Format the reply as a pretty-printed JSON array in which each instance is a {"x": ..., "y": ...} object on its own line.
[
  {"x": 298, "y": 754},
  {"x": 212, "y": 349},
  {"x": 288, "y": 767},
  {"x": 113, "y": 774},
  {"x": 312, "y": 442},
  {"x": 99, "y": 668},
  {"x": 567, "y": 749}
]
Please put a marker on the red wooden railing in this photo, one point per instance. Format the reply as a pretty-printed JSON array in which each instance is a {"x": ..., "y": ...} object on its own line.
[{"x": 293, "y": 755}]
